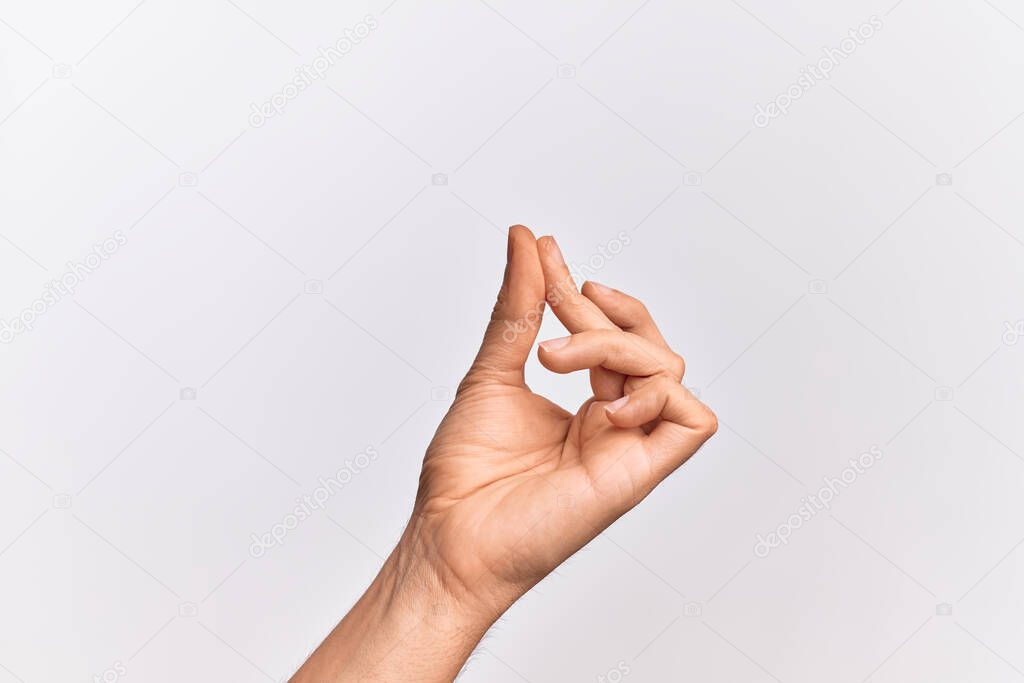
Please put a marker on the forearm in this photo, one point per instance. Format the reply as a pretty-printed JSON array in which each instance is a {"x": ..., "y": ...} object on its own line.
[{"x": 406, "y": 627}]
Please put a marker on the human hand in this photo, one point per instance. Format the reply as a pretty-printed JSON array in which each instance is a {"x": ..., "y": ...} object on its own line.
[{"x": 513, "y": 484}]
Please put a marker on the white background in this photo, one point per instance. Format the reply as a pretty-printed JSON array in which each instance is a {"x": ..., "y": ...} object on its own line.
[{"x": 829, "y": 293}]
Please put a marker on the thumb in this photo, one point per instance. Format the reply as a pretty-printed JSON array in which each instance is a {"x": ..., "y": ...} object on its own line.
[{"x": 517, "y": 313}]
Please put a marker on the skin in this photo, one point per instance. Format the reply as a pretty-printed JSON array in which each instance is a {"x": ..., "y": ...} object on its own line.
[{"x": 512, "y": 484}]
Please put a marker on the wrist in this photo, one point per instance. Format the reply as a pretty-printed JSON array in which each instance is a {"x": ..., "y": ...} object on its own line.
[
  {"x": 443, "y": 565},
  {"x": 410, "y": 624},
  {"x": 413, "y": 585}
]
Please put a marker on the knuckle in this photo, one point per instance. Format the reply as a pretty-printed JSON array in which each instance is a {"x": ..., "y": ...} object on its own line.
[
  {"x": 708, "y": 423},
  {"x": 500, "y": 303},
  {"x": 575, "y": 300},
  {"x": 675, "y": 366},
  {"x": 635, "y": 309}
]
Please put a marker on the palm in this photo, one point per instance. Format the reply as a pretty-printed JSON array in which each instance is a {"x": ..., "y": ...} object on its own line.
[{"x": 514, "y": 475}]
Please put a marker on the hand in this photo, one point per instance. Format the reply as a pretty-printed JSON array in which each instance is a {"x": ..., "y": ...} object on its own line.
[{"x": 512, "y": 484}]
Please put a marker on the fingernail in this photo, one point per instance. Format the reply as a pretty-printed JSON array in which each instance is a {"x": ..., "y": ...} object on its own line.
[
  {"x": 554, "y": 344},
  {"x": 603, "y": 289},
  {"x": 616, "y": 404}
]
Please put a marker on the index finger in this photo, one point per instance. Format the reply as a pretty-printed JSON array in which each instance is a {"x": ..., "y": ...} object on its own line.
[{"x": 577, "y": 312}]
